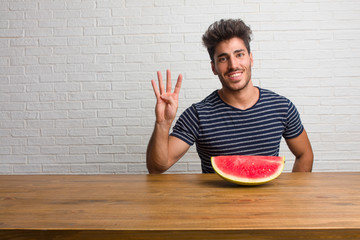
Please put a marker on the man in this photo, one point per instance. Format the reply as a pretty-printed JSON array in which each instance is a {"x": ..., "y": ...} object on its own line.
[{"x": 238, "y": 119}]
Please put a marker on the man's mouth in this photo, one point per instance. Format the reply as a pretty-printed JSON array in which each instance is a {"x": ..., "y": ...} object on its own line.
[{"x": 235, "y": 74}]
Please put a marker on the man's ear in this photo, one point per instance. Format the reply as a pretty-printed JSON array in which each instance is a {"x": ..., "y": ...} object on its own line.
[
  {"x": 251, "y": 59},
  {"x": 213, "y": 68}
]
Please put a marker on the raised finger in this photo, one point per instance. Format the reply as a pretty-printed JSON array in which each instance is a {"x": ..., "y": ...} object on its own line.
[
  {"x": 156, "y": 90},
  {"x": 178, "y": 84},
  {"x": 168, "y": 81},
  {"x": 161, "y": 84}
]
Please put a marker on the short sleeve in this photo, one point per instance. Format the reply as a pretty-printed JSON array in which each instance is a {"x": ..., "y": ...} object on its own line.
[
  {"x": 187, "y": 126},
  {"x": 293, "y": 127}
]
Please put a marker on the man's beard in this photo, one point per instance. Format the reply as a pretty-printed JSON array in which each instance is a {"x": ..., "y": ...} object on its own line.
[{"x": 238, "y": 89}]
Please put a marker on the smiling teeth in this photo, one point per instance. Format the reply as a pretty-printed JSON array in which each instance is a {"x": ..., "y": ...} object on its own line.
[{"x": 235, "y": 75}]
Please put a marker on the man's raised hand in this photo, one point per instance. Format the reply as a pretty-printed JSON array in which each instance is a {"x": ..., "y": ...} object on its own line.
[{"x": 167, "y": 101}]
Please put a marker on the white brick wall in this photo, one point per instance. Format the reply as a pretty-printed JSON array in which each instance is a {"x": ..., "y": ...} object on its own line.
[{"x": 75, "y": 93}]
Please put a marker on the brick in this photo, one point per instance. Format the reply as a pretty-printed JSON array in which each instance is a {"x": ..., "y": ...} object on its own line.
[
  {"x": 110, "y": 40},
  {"x": 137, "y": 168},
  {"x": 11, "y": 141},
  {"x": 111, "y": 114},
  {"x": 112, "y": 149},
  {"x": 99, "y": 122},
  {"x": 12, "y": 107},
  {"x": 84, "y": 168},
  {"x": 25, "y": 150},
  {"x": 11, "y": 33},
  {"x": 12, "y": 159},
  {"x": 158, "y": 11},
  {"x": 97, "y": 86},
  {"x": 97, "y": 105},
  {"x": 67, "y": 106},
  {"x": 58, "y": 14},
  {"x": 83, "y": 149},
  {"x": 99, "y": 158},
  {"x": 39, "y": 69},
  {"x": 27, "y": 169},
  {"x": 53, "y": 132},
  {"x": 22, "y": 24},
  {"x": 39, "y": 32},
  {"x": 76, "y": 22},
  {"x": 82, "y": 132},
  {"x": 99, "y": 31},
  {"x": 52, "y": 97},
  {"x": 12, "y": 70},
  {"x": 96, "y": 13},
  {"x": 68, "y": 123},
  {"x": 54, "y": 149},
  {"x": 5, "y": 150},
  {"x": 18, "y": 61},
  {"x": 8, "y": 15},
  {"x": 113, "y": 131},
  {"x": 98, "y": 140},
  {"x": 25, "y": 132},
  {"x": 68, "y": 140},
  {"x": 82, "y": 114},
  {"x": 81, "y": 5},
  {"x": 109, "y": 22},
  {"x": 59, "y": 41},
  {"x": 110, "y": 95},
  {"x": 61, "y": 159},
  {"x": 5, "y": 169},
  {"x": 54, "y": 115},
  {"x": 44, "y": 51},
  {"x": 80, "y": 59},
  {"x": 67, "y": 87},
  {"x": 54, "y": 23},
  {"x": 24, "y": 115},
  {"x": 39, "y": 141},
  {"x": 52, "y": 168},
  {"x": 113, "y": 168},
  {"x": 38, "y": 14},
  {"x": 68, "y": 32},
  {"x": 40, "y": 106},
  {"x": 129, "y": 158},
  {"x": 54, "y": 77},
  {"x": 41, "y": 159}
]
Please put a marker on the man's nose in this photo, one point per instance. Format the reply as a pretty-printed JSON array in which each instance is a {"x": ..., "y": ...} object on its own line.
[{"x": 232, "y": 62}]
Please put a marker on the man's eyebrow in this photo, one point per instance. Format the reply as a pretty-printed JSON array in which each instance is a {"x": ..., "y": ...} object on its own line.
[
  {"x": 225, "y": 54},
  {"x": 239, "y": 50},
  {"x": 222, "y": 55}
]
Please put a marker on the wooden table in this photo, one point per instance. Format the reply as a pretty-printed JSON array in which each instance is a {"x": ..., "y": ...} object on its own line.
[{"x": 184, "y": 206}]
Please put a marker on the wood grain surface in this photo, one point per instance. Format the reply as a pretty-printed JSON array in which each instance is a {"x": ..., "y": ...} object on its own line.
[{"x": 179, "y": 206}]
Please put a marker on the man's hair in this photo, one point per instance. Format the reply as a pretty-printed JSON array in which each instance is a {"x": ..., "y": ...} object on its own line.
[{"x": 224, "y": 30}]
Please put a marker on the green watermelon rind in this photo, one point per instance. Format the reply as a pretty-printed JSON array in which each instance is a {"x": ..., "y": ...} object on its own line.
[{"x": 247, "y": 181}]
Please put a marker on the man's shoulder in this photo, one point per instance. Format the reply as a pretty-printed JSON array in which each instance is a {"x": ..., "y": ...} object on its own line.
[
  {"x": 208, "y": 101},
  {"x": 269, "y": 95}
]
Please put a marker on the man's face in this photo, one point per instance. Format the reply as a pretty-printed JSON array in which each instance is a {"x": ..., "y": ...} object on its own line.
[{"x": 232, "y": 63}]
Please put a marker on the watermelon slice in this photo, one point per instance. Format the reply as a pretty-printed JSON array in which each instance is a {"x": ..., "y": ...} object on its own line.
[{"x": 248, "y": 170}]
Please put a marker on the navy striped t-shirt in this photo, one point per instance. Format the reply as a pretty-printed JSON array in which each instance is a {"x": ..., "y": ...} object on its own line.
[{"x": 220, "y": 129}]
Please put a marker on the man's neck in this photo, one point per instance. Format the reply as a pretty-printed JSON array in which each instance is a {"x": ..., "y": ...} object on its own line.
[{"x": 242, "y": 99}]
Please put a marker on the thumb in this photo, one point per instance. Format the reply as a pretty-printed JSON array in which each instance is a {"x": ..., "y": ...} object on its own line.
[{"x": 167, "y": 98}]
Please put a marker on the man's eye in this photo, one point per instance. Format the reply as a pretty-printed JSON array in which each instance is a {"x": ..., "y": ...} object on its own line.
[
  {"x": 223, "y": 59},
  {"x": 240, "y": 54}
]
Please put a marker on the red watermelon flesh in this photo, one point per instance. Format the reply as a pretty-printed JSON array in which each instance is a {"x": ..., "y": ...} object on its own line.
[{"x": 248, "y": 170}]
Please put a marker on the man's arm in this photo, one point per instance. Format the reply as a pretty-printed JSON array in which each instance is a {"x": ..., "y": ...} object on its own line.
[
  {"x": 300, "y": 146},
  {"x": 163, "y": 150}
]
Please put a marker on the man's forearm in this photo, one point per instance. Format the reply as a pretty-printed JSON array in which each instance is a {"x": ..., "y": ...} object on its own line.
[
  {"x": 303, "y": 163},
  {"x": 157, "y": 150}
]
